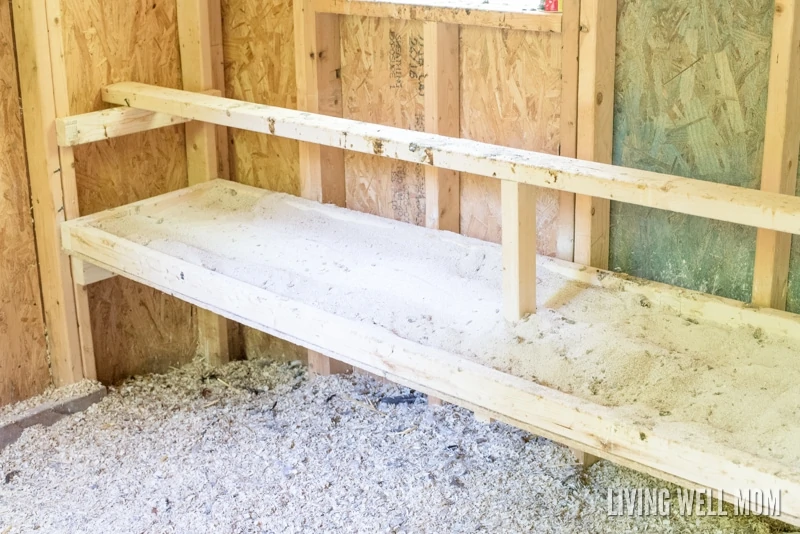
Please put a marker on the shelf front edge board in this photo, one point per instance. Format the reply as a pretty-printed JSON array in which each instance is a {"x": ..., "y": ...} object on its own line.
[
  {"x": 682, "y": 195},
  {"x": 480, "y": 15},
  {"x": 598, "y": 429}
]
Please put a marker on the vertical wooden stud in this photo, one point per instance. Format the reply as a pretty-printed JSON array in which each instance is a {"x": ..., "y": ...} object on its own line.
[
  {"x": 442, "y": 111},
  {"x": 442, "y": 116},
  {"x": 33, "y": 41},
  {"x": 598, "y": 25},
  {"x": 518, "y": 204},
  {"x": 197, "y": 66},
  {"x": 69, "y": 183},
  {"x": 568, "y": 132},
  {"x": 319, "y": 90},
  {"x": 781, "y": 147}
]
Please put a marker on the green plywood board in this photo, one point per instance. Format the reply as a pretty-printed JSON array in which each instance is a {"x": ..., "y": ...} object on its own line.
[{"x": 691, "y": 96}]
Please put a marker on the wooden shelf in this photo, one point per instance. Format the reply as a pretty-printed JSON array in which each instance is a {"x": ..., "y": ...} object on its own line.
[{"x": 423, "y": 308}]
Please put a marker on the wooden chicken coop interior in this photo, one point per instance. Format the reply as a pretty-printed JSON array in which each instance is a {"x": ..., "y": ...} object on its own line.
[{"x": 554, "y": 219}]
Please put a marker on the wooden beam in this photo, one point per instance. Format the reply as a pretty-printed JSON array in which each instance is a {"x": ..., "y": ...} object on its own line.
[
  {"x": 69, "y": 180},
  {"x": 442, "y": 113},
  {"x": 644, "y": 188},
  {"x": 598, "y": 22},
  {"x": 475, "y": 13},
  {"x": 319, "y": 90},
  {"x": 781, "y": 148},
  {"x": 568, "y": 131},
  {"x": 518, "y": 204},
  {"x": 47, "y": 191},
  {"x": 86, "y": 274},
  {"x": 115, "y": 122},
  {"x": 203, "y": 163},
  {"x": 109, "y": 123}
]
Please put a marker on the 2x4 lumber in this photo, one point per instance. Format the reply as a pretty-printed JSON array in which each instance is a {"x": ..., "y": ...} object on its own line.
[
  {"x": 48, "y": 197},
  {"x": 781, "y": 148},
  {"x": 202, "y": 159},
  {"x": 518, "y": 206},
  {"x": 115, "y": 122},
  {"x": 635, "y": 186},
  {"x": 600, "y": 430},
  {"x": 110, "y": 123},
  {"x": 86, "y": 274},
  {"x": 319, "y": 90},
  {"x": 478, "y": 14},
  {"x": 442, "y": 114},
  {"x": 568, "y": 130},
  {"x": 69, "y": 180},
  {"x": 598, "y": 23}
]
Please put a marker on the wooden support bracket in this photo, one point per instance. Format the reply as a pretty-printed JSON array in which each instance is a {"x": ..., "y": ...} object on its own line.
[{"x": 518, "y": 203}]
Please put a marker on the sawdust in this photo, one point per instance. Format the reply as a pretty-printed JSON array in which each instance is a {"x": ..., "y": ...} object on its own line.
[
  {"x": 258, "y": 447},
  {"x": 444, "y": 290}
]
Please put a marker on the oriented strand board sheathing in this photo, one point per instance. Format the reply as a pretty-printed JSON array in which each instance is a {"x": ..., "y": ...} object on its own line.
[
  {"x": 259, "y": 67},
  {"x": 510, "y": 95},
  {"x": 382, "y": 67},
  {"x": 691, "y": 97},
  {"x": 23, "y": 358},
  {"x": 135, "y": 328},
  {"x": 793, "y": 297}
]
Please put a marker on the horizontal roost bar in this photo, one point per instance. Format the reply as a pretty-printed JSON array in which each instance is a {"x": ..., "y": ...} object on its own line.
[{"x": 683, "y": 195}]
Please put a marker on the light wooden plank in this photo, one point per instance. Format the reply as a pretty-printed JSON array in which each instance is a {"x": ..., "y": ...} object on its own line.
[
  {"x": 442, "y": 113},
  {"x": 442, "y": 116},
  {"x": 68, "y": 178},
  {"x": 518, "y": 202},
  {"x": 474, "y": 13},
  {"x": 109, "y": 123},
  {"x": 86, "y": 274},
  {"x": 604, "y": 431},
  {"x": 568, "y": 130},
  {"x": 197, "y": 68},
  {"x": 115, "y": 122},
  {"x": 781, "y": 148},
  {"x": 319, "y": 90},
  {"x": 48, "y": 196},
  {"x": 598, "y": 22},
  {"x": 682, "y": 195}
]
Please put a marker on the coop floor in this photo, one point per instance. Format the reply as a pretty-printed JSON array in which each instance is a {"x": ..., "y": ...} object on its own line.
[{"x": 258, "y": 446}]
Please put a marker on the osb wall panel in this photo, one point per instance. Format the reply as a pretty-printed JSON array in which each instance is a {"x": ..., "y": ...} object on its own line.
[
  {"x": 793, "y": 297},
  {"x": 136, "y": 329},
  {"x": 258, "y": 38},
  {"x": 382, "y": 82},
  {"x": 23, "y": 356},
  {"x": 691, "y": 90},
  {"x": 510, "y": 95},
  {"x": 259, "y": 67}
]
